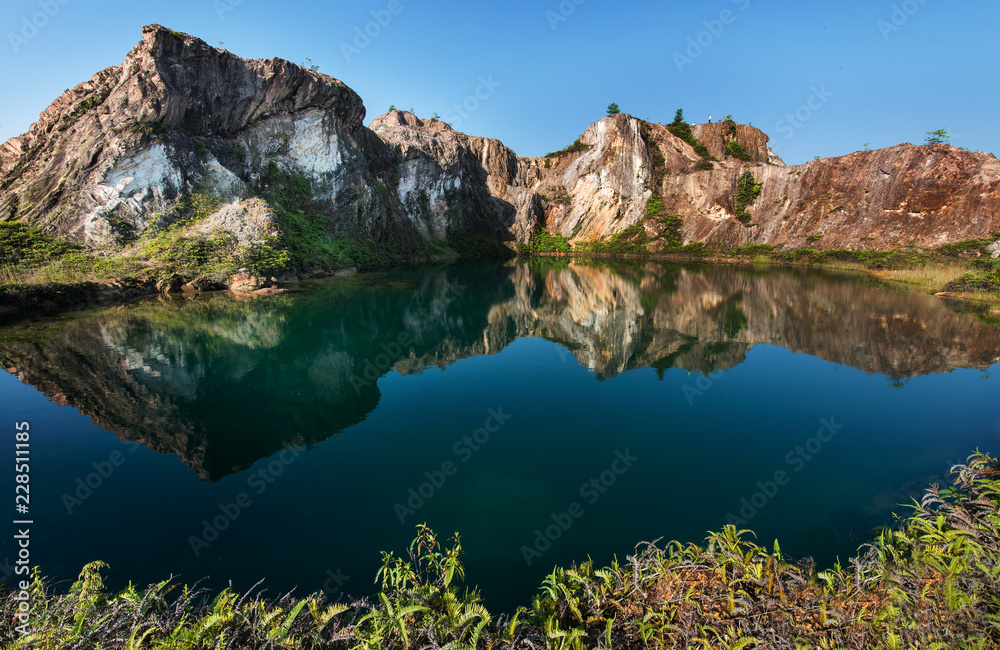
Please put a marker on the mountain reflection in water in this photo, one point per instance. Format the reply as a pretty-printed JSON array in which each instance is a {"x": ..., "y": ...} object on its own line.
[{"x": 222, "y": 382}]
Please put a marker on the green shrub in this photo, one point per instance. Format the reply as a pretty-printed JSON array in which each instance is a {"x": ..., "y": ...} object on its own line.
[
  {"x": 696, "y": 249},
  {"x": 25, "y": 246},
  {"x": 747, "y": 191},
  {"x": 736, "y": 150},
  {"x": 985, "y": 276},
  {"x": 476, "y": 246},
  {"x": 302, "y": 228},
  {"x": 263, "y": 258},
  {"x": 543, "y": 242},
  {"x": 177, "y": 252},
  {"x": 682, "y": 130},
  {"x": 968, "y": 248},
  {"x": 655, "y": 155},
  {"x": 576, "y": 147},
  {"x": 631, "y": 241}
]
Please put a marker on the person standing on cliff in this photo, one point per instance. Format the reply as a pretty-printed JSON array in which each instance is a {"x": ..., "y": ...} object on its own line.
[{"x": 709, "y": 119}]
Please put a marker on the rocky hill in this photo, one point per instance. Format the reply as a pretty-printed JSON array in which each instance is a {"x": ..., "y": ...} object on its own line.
[
  {"x": 122, "y": 153},
  {"x": 189, "y": 138}
]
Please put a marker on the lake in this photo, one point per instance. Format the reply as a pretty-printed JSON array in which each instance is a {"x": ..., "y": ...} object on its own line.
[{"x": 548, "y": 412}]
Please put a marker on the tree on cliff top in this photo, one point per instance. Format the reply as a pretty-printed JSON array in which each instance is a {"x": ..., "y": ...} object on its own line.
[
  {"x": 939, "y": 136},
  {"x": 613, "y": 109}
]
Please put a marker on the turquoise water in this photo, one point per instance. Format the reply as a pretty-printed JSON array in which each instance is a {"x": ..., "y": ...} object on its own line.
[{"x": 547, "y": 413}]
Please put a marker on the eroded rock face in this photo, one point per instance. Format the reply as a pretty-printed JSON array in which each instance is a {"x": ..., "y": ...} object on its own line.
[
  {"x": 179, "y": 118},
  {"x": 451, "y": 182},
  {"x": 716, "y": 135},
  {"x": 903, "y": 196}
]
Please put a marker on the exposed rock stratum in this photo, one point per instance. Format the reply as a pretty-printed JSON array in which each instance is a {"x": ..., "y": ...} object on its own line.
[{"x": 115, "y": 156}]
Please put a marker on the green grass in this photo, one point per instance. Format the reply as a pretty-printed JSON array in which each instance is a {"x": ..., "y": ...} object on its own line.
[
  {"x": 932, "y": 581},
  {"x": 543, "y": 242},
  {"x": 984, "y": 277},
  {"x": 752, "y": 250},
  {"x": 29, "y": 258}
]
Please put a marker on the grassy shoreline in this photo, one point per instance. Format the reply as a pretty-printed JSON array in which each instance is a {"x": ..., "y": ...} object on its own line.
[
  {"x": 39, "y": 272},
  {"x": 933, "y": 581}
]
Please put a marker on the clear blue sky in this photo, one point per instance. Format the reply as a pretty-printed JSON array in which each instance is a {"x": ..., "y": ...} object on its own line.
[{"x": 929, "y": 65}]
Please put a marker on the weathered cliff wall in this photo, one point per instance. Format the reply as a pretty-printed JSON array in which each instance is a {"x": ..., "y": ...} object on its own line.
[
  {"x": 122, "y": 154},
  {"x": 118, "y": 154}
]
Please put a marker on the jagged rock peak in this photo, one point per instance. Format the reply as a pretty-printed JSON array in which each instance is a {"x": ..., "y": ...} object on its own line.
[
  {"x": 406, "y": 118},
  {"x": 177, "y": 81},
  {"x": 212, "y": 91},
  {"x": 716, "y": 135},
  {"x": 176, "y": 118}
]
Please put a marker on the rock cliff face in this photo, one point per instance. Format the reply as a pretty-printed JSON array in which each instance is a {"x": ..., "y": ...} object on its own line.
[
  {"x": 180, "y": 118},
  {"x": 716, "y": 135},
  {"x": 903, "y": 196},
  {"x": 449, "y": 181},
  {"x": 116, "y": 156}
]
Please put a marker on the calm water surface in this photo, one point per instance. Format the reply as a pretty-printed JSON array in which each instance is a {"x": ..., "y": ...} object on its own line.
[{"x": 294, "y": 437}]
